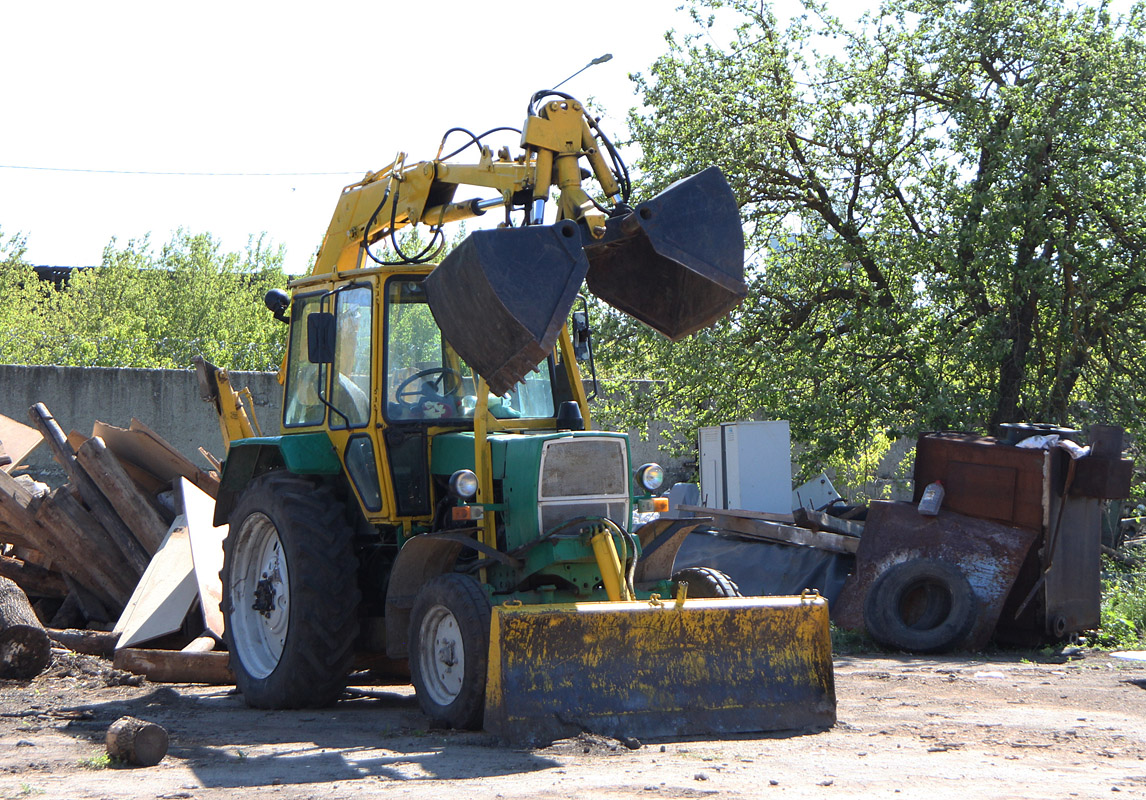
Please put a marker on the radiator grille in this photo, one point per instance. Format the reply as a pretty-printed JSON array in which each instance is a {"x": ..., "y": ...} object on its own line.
[{"x": 583, "y": 477}]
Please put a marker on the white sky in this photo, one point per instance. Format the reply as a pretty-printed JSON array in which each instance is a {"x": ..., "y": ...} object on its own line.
[
  {"x": 270, "y": 87},
  {"x": 259, "y": 87}
]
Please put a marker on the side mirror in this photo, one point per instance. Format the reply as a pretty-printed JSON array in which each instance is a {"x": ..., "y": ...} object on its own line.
[
  {"x": 277, "y": 301},
  {"x": 580, "y": 335},
  {"x": 320, "y": 331}
]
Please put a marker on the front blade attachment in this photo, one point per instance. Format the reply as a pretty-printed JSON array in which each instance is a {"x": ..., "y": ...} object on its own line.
[
  {"x": 635, "y": 669},
  {"x": 676, "y": 262},
  {"x": 501, "y": 297}
]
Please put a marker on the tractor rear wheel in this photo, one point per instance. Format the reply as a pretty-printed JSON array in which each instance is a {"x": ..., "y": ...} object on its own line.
[
  {"x": 290, "y": 597},
  {"x": 449, "y": 650}
]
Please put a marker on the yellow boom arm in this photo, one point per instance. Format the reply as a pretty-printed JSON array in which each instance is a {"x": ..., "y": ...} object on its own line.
[{"x": 553, "y": 142}]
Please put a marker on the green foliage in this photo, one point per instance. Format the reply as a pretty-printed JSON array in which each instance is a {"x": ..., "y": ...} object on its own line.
[
  {"x": 147, "y": 308},
  {"x": 1123, "y": 619},
  {"x": 945, "y": 211}
]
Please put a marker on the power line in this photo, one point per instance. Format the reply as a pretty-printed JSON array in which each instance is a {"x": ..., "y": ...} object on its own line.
[{"x": 193, "y": 174}]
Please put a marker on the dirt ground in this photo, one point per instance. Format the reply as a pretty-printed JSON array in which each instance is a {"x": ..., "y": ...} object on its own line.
[{"x": 971, "y": 727}]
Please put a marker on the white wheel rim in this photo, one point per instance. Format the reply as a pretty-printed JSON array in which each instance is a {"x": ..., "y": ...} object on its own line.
[
  {"x": 441, "y": 655},
  {"x": 259, "y": 595}
]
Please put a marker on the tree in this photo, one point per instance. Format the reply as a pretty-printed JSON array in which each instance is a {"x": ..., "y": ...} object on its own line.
[
  {"x": 946, "y": 213},
  {"x": 142, "y": 308}
]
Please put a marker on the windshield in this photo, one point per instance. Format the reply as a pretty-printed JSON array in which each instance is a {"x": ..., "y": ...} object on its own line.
[{"x": 427, "y": 380}]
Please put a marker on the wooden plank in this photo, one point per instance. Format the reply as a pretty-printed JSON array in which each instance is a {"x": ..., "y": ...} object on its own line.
[
  {"x": 164, "y": 595},
  {"x": 207, "y": 549},
  {"x": 123, "y": 494},
  {"x": 121, "y": 536},
  {"x": 819, "y": 521},
  {"x": 19, "y": 440},
  {"x": 740, "y": 512},
  {"x": 82, "y": 549},
  {"x": 783, "y": 534},
  {"x": 148, "y": 450},
  {"x": 174, "y": 666},
  {"x": 34, "y": 580},
  {"x": 17, "y": 510}
]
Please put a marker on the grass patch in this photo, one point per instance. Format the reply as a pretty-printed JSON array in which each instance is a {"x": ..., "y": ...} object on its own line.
[
  {"x": 850, "y": 643},
  {"x": 98, "y": 761}
]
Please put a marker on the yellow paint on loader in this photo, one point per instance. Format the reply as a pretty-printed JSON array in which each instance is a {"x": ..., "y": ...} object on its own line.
[{"x": 641, "y": 669}]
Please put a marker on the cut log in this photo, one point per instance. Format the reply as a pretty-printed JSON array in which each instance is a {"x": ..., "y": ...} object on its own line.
[
  {"x": 201, "y": 644},
  {"x": 92, "y": 643},
  {"x": 25, "y": 649},
  {"x": 121, "y": 491},
  {"x": 129, "y": 547},
  {"x": 174, "y": 666},
  {"x": 137, "y": 742},
  {"x": 35, "y": 581}
]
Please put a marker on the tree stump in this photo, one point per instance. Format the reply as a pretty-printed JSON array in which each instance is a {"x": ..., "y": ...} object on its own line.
[
  {"x": 136, "y": 741},
  {"x": 25, "y": 649}
]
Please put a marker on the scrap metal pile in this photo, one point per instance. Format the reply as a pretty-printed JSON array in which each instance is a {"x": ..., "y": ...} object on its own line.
[{"x": 107, "y": 560}]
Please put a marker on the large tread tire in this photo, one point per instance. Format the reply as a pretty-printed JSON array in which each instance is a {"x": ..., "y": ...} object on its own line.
[
  {"x": 450, "y": 618},
  {"x": 297, "y": 652},
  {"x": 922, "y": 606},
  {"x": 705, "y": 582}
]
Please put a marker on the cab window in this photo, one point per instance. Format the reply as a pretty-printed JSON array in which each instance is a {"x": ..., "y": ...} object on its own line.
[
  {"x": 304, "y": 380},
  {"x": 427, "y": 380},
  {"x": 350, "y": 391}
]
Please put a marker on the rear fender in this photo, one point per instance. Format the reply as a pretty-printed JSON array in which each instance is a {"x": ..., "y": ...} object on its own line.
[{"x": 247, "y": 459}]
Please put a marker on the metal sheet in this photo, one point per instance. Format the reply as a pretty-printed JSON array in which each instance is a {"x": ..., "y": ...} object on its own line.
[
  {"x": 989, "y": 554},
  {"x": 984, "y": 478},
  {"x": 641, "y": 669},
  {"x": 766, "y": 568}
]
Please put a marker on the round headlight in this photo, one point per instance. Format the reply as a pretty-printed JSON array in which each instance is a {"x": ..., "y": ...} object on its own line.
[
  {"x": 651, "y": 476},
  {"x": 463, "y": 484}
]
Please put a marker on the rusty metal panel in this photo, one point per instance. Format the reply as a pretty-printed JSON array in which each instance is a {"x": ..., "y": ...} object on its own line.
[
  {"x": 988, "y": 553},
  {"x": 985, "y": 478},
  {"x": 1073, "y": 582},
  {"x": 1102, "y": 477}
]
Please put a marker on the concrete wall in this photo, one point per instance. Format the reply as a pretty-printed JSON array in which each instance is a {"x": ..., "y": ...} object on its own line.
[{"x": 167, "y": 401}]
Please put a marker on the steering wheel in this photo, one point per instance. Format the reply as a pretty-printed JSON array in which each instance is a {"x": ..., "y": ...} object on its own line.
[{"x": 410, "y": 396}]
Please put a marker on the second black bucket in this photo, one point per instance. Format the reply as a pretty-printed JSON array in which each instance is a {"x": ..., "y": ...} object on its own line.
[
  {"x": 501, "y": 297},
  {"x": 676, "y": 262}
]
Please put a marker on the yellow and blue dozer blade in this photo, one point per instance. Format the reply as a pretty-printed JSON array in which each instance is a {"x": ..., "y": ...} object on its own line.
[{"x": 660, "y": 668}]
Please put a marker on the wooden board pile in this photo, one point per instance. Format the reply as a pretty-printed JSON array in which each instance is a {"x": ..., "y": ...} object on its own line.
[{"x": 111, "y": 550}]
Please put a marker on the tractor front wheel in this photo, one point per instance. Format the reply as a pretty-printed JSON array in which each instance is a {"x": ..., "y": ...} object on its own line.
[
  {"x": 449, "y": 650},
  {"x": 705, "y": 582},
  {"x": 290, "y": 597}
]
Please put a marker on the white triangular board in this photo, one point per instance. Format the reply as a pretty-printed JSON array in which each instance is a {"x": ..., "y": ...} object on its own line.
[
  {"x": 206, "y": 550},
  {"x": 164, "y": 594}
]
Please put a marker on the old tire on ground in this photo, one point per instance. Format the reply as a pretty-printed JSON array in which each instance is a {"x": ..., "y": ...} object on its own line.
[
  {"x": 290, "y": 594},
  {"x": 705, "y": 582},
  {"x": 449, "y": 650},
  {"x": 922, "y": 606}
]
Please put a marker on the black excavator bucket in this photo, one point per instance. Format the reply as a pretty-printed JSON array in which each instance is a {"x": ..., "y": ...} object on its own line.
[
  {"x": 501, "y": 297},
  {"x": 676, "y": 262}
]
